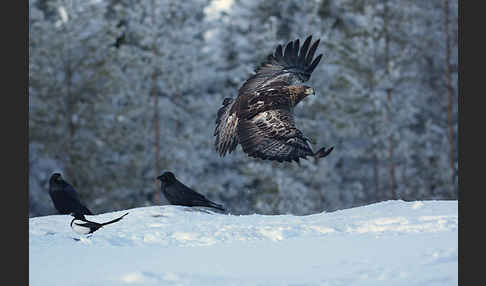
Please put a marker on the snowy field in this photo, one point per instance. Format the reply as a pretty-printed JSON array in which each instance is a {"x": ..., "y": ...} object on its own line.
[{"x": 387, "y": 243}]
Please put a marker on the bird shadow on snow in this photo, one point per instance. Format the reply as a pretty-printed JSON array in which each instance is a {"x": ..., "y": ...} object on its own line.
[
  {"x": 159, "y": 215},
  {"x": 193, "y": 209},
  {"x": 83, "y": 239},
  {"x": 200, "y": 209}
]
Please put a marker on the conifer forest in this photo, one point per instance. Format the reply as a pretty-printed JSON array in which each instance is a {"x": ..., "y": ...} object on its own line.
[{"x": 121, "y": 91}]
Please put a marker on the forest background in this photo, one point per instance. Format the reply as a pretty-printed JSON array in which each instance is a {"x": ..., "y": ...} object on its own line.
[{"x": 121, "y": 91}]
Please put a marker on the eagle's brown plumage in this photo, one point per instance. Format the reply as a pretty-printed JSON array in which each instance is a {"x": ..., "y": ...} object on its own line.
[{"x": 260, "y": 119}]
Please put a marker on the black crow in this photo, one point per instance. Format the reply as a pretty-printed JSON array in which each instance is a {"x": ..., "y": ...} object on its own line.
[
  {"x": 64, "y": 196},
  {"x": 83, "y": 226},
  {"x": 179, "y": 194}
]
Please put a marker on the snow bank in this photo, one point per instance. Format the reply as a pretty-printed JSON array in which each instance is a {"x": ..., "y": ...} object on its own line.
[{"x": 387, "y": 243}]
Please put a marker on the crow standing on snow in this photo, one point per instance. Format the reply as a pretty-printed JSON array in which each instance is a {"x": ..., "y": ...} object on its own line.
[
  {"x": 64, "y": 196},
  {"x": 83, "y": 226},
  {"x": 179, "y": 194}
]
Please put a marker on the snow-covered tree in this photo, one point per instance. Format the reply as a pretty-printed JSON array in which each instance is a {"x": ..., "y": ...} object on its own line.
[
  {"x": 73, "y": 87},
  {"x": 120, "y": 91}
]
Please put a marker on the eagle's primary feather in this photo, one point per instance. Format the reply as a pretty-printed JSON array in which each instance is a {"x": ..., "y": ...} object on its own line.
[
  {"x": 260, "y": 118},
  {"x": 226, "y": 124}
]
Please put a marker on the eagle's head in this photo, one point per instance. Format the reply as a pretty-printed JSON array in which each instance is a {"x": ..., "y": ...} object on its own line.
[
  {"x": 299, "y": 92},
  {"x": 308, "y": 90}
]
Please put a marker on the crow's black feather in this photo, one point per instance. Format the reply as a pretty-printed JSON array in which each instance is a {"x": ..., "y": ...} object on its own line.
[
  {"x": 179, "y": 194},
  {"x": 64, "y": 196}
]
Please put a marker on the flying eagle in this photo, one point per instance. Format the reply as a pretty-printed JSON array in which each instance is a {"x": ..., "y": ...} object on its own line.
[{"x": 260, "y": 119}]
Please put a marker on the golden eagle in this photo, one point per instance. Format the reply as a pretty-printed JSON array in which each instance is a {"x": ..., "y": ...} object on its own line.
[{"x": 260, "y": 118}]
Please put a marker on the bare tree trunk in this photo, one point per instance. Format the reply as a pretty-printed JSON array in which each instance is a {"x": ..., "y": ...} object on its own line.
[
  {"x": 156, "y": 196},
  {"x": 376, "y": 177},
  {"x": 71, "y": 126},
  {"x": 391, "y": 169},
  {"x": 450, "y": 91},
  {"x": 70, "y": 101},
  {"x": 388, "y": 100}
]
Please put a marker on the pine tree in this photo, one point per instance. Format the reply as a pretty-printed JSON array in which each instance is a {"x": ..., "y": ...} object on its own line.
[
  {"x": 164, "y": 44},
  {"x": 71, "y": 86}
]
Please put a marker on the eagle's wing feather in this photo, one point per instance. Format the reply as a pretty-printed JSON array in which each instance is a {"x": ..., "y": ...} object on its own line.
[
  {"x": 267, "y": 130},
  {"x": 225, "y": 131},
  {"x": 284, "y": 65},
  {"x": 274, "y": 96},
  {"x": 272, "y": 135}
]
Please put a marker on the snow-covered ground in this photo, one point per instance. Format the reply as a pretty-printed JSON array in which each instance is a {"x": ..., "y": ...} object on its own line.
[{"x": 387, "y": 243}]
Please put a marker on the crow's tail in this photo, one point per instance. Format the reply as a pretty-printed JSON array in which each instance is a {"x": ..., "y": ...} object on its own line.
[
  {"x": 217, "y": 206},
  {"x": 115, "y": 220}
]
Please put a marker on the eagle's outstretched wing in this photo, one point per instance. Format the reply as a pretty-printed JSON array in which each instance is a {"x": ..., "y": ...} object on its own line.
[
  {"x": 272, "y": 135},
  {"x": 227, "y": 118},
  {"x": 292, "y": 65},
  {"x": 266, "y": 127}
]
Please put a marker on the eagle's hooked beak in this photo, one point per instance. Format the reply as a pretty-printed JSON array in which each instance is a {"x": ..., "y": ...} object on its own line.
[{"x": 309, "y": 91}]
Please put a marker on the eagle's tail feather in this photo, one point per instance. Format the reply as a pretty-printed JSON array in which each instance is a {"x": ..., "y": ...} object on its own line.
[{"x": 225, "y": 131}]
